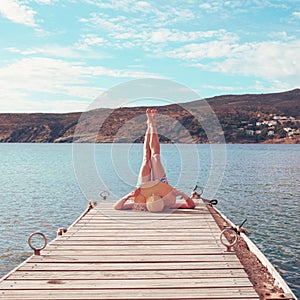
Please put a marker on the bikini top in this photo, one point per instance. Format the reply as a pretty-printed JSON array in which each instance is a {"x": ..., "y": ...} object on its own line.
[{"x": 151, "y": 188}]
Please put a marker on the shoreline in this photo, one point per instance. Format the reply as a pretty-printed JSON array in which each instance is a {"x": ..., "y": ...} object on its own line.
[{"x": 283, "y": 141}]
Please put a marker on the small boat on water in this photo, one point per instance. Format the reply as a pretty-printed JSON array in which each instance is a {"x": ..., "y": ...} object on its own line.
[{"x": 175, "y": 254}]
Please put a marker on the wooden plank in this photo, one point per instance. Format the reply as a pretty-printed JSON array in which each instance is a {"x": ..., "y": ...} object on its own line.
[
  {"x": 107, "y": 266},
  {"x": 136, "y": 252},
  {"x": 117, "y": 218},
  {"x": 134, "y": 247},
  {"x": 112, "y": 227},
  {"x": 144, "y": 231},
  {"x": 135, "y": 294},
  {"x": 140, "y": 234},
  {"x": 176, "y": 214},
  {"x": 134, "y": 218},
  {"x": 124, "y": 274},
  {"x": 133, "y": 258},
  {"x": 138, "y": 238},
  {"x": 128, "y": 283},
  {"x": 148, "y": 221},
  {"x": 132, "y": 242},
  {"x": 137, "y": 246}
]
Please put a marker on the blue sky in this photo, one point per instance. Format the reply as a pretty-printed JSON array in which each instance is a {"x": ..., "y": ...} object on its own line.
[{"x": 58, "y": 56}]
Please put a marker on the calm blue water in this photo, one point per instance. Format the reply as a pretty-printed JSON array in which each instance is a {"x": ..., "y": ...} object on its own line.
[{"x": 39, "y": 191}]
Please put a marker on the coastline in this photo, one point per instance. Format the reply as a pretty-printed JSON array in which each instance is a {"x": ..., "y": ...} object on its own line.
[
  {"x": 233, "y": 119},
  {"x": 110, "y": 139}
]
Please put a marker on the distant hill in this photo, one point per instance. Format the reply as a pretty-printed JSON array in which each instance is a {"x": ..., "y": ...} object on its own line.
[{"x": 250, "y": 118}]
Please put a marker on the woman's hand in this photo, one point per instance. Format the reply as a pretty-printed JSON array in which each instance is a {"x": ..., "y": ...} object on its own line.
[
  {"x": 189, "y": 202},
  {"x": 121, "y": 203}
]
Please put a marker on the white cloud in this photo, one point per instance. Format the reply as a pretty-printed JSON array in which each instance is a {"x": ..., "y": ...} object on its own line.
[
  {"x": 282, "y": 35},
  {"x": 51, "y": 50},
  {"x": 92, "y": 39},
  {"x": 21, "y": 105},
  {"x": 26, "y": 77},
  {"x": 128, "y": 6},
  {"x": 172, "y": 14},
  {"x": 258, "y": 86},
  {"x": 275, "y": 61},
  {"x": 105, "y": 22},
  {"x": 205, "y": 5},
  {"x": 225, "y": 8},
  {"x": 123, "y": 5},
  {"x": 224, "y": 88},
  {"x": 89, "y": 40},
  {"x": 239, "y": 6},
  {"x": 161, "y": 36},
  {"x": 198, "y": 51},
  {"x": 121, "y": 32},
  {"x": 45, "y": 1},
  {"x": 165, "y": 35},
  {"x": 78, "y": 51},
  {"x": 270, "y": 60},
  {"x": 296, "y": 14},
  {"x": 156, "y": 16},
  {"x": 143, "y": 5},
  {"x": 17, "y": 12}
]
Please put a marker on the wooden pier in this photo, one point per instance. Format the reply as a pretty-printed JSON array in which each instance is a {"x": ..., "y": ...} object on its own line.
[{"x": 108, "y": 254}]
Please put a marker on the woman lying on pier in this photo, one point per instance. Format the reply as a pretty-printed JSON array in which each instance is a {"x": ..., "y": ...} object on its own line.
[{"x": 153, "y": 193}]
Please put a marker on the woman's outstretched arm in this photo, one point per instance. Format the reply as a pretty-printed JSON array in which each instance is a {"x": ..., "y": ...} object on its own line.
[
  {"x": 121, "y": 203},
  {"x": 189, "y": 203}
]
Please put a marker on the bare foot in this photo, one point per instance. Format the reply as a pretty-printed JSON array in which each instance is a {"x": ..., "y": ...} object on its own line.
[
  {"x": 148, "y": 113},
  {"x": 154, "y": 112},
  {"x": 151, "y": 115}
]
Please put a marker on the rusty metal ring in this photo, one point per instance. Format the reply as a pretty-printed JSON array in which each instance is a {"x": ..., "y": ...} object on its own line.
[
  {"x": 104, "y": 195},
  {"x": 36, "y": 250},
  {"x": 228, "y": 245},
  {"x": 198, "y": 187}
]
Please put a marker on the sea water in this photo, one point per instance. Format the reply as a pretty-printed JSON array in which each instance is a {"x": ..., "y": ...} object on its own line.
[{"x": 47, "y": 186}]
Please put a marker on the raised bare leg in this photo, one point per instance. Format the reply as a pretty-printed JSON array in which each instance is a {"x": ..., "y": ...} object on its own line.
[
  {"x": 145, "y": 170},
  {"x": 158, "y": 170}
]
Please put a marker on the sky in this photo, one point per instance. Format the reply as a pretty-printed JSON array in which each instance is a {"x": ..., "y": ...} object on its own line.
[{"x": 59, "y": 56}]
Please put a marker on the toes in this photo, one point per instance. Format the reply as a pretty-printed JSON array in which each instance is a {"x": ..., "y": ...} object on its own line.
[{"x": 151, "y": 114}]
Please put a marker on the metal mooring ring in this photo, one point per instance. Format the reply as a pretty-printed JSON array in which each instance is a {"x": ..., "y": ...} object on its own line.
[
  {"x": 198, "y": 187},
  {"x": 104, "y": 195},
  {"x": 228, "y": 245},
  {"x": 37, "y": 251},
  {"x": 213, "y": 202}
]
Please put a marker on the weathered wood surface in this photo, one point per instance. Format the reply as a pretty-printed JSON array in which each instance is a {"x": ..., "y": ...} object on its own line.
[{"x": 133, "y": 255}]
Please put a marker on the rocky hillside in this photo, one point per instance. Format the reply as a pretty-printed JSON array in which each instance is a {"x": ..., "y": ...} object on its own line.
[{"x": 252, "y": 118}]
